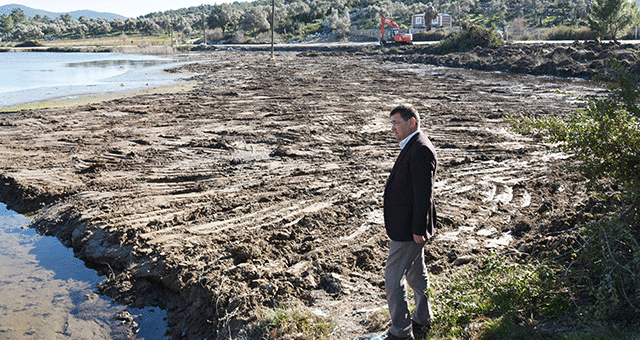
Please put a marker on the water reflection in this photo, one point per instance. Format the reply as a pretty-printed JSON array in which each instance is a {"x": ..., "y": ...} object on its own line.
[
  {"x": 47, "y": 293},
  {"x": 130, "y": 64},
  {"x": 29, "y": 77}
]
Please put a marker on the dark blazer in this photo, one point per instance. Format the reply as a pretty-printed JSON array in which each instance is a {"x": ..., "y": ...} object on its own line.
[{"x": 409, "y": 207}]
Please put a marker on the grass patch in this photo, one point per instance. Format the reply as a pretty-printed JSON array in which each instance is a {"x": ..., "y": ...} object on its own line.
[
  {"x": 496, "y": 298},
  {"x": 295, "y": 323}
]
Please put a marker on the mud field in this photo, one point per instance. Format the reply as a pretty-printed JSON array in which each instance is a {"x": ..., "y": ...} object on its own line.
[{"x": 263, "y": 184}]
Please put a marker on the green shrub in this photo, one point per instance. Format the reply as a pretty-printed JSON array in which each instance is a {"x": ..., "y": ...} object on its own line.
[
  {"x": 571, "y": 33},
  {"x": 29, "y": 43},
  {"x": 605, "y": 138},
  {"x": 470, "y": 37},
  {"x": 609, "y": 265},
  {"x": 297, "y": 323},
  {"x": 498, "y": 291},
  {"x": 436, "y": 35}
]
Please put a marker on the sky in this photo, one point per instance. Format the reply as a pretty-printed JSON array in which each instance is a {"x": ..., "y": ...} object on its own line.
[{"x": 127, "y": 8}]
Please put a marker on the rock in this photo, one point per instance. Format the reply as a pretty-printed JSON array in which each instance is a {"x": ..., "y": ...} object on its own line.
[
  {"x": 332, "y": 283},
  {"x": 463, "y": 260}
]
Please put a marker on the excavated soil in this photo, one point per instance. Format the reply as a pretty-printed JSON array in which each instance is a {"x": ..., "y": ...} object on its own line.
[{"x": 263, "y": 185}]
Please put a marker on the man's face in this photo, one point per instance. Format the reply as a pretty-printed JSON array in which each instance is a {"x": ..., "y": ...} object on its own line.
[{"x": 402, "y": 128}]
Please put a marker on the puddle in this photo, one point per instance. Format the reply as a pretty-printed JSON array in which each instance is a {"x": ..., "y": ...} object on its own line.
[{"x": 47, "y": 293}]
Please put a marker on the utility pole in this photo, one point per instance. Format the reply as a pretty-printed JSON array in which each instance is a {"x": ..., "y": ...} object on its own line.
[
  {"x": 459, "y": 19},
  {"x": 204, "y": 26},
  {"x": 273, "y": 15}
]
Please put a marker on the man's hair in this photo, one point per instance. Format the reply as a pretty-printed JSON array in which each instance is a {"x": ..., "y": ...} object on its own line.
[{"x": 406, "y": 111}]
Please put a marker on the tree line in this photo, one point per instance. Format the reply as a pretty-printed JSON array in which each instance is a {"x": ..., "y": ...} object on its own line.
[{"x": 297, "y": 19}]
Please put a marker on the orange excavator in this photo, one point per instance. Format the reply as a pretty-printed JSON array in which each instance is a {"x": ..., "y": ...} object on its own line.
[{"x": 393, "y": 35}]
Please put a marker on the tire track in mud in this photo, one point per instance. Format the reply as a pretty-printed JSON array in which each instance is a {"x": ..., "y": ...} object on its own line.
[{"x": 263, "y": 184}]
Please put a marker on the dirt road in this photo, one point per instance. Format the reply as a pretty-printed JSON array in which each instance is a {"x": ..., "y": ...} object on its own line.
[{"x": 263, "y": 185}]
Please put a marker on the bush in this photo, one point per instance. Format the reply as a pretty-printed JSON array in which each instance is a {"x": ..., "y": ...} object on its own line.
[
  {"x": 605, "y": 138},
  {"x": 295, "y": 322},
  {"x": 215, "y": 34},
  {"x": 237, "y": 38},
  {"x": 571, "y": 33},
  {"x": 29, "y": 43},
  {"x": 436, "y": 35},
  {"x": 470, "y": 37},
  {"x": 499, "y": 290},
  {"x": 609, "y": 265},
  {"x": 265, "y": 38}
]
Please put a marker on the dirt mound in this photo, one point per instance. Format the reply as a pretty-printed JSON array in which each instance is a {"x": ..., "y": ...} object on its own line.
[
  {"x": 582, "y": 60},
  {"x": 263, "y": 185}
]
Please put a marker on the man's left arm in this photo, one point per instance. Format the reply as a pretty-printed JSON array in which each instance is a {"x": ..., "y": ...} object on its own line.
[{"x": 422, "y": 168}]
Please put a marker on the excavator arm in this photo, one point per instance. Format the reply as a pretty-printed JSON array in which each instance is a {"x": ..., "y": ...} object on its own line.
[
  {"x": 384, "y": 21},
  {"x": 397, "y": 37}
]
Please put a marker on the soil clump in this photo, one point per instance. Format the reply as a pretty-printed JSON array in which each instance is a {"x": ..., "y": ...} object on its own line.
[{"x": 263, "y": 184}]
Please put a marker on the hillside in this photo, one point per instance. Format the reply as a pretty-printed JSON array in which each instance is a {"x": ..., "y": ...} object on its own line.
[
  {"x": 309, "y": 20},
  {"x": 32, "y": 12}
]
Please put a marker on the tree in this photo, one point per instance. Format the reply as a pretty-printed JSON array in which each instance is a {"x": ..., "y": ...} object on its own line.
[
  {"x": 118, "y": 25},
  {"x": 24, "y": 32},
  {"x": 52, "y": 29},
  {"x": 339, "y": 23},
  {"x": 610, "y": 17},
  {"x": 223, "y": 16},
  {"x": 131, "y": 24},
  {"x": 430, "y": 14},
  {"x": 99, "y": 26},
  {"x": 148, "y": 26},
  {"x": 18, "y": 16},
  {"x": 255, "y": 19},
  {"x": 6, "y": 24}
]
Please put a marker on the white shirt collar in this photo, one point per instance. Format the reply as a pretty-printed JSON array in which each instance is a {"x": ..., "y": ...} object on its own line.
[{"x": 404, "y": 142}]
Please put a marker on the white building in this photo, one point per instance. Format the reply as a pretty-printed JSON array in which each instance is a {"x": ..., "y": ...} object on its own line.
[{"x": 441, "y": 21}]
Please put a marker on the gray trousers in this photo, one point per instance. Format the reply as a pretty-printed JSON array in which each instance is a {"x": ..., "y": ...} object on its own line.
[{"x": 406, "y": 260}]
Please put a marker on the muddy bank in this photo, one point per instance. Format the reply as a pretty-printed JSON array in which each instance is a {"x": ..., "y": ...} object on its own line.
[
  {"x": 579, "y": 59},
  {"x": 263, "y": 184}
]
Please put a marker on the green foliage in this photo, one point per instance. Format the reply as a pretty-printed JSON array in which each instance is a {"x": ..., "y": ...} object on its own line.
[
  {"x": 605, "y": 136},
  {"x": 609, "y": 18},
  {"x": 610, "y": 268},
  {"x": 298, "y": 322},
  {"x": 435, "y": 35},
  {"x": 571, "y": 33},
  {"x": 29, "y": 43},
  {"x": 291, "y": 17},
  {"x": 500, "y": 291},
  {"x": 603, "y": 332},
  {"x": 470, "y": 37}
]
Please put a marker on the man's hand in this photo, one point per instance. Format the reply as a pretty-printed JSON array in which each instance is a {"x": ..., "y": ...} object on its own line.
[{"x": 419, "y": 239}]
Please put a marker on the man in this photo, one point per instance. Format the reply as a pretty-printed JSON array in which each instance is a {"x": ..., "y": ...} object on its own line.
[{"x": 410, "y": 218}]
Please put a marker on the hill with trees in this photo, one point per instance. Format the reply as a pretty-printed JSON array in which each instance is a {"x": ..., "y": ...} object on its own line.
[{"x": 246, "y": 22}]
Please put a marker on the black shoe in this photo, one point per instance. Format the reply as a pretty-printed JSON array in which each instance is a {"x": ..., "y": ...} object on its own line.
[
  {"x": 393, "y": 337},
  {"x": 418, "y": 327},
  {"x": 420, "y": 330}
]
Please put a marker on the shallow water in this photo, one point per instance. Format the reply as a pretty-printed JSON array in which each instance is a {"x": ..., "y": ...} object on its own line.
[
  {"x": 36, "y": 76},
  {"x": 47, "y": 293}
]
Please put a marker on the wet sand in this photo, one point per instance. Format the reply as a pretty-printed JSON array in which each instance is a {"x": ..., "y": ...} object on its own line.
[{"x": 95, "y": 98}]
